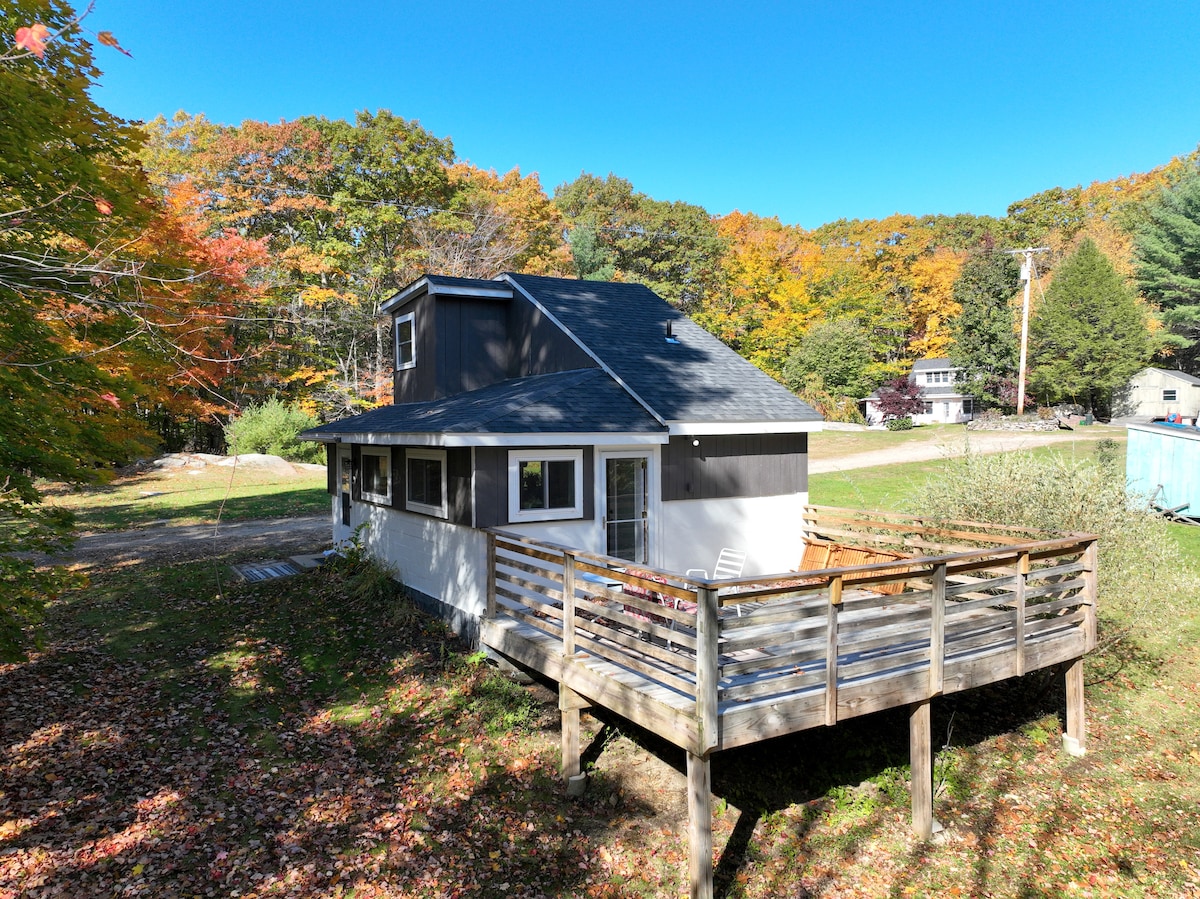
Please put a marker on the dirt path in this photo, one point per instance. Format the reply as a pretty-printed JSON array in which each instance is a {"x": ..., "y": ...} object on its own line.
[
  {"x": 272, "y": 538},
  {"x": 954, "y": 444}
]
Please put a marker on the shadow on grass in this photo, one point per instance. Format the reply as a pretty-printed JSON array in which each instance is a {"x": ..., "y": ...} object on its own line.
[{"x": 185, "y": 733}]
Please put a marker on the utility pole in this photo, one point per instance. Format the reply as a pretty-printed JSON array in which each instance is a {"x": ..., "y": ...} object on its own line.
[{"x": 1027, "y": 277}]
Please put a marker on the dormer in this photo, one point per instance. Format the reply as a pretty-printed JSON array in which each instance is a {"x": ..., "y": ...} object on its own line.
[{"x": 451, "y": 335}]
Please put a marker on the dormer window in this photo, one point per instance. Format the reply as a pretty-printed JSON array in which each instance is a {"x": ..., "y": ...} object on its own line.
[{"x": 406, "y": 341}]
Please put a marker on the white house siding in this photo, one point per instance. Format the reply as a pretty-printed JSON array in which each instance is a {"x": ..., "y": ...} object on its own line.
[
  {"x": 769, "y": 528},
  {"x": 444, "y": 562},
  {"x": 1142, "y": 399}
]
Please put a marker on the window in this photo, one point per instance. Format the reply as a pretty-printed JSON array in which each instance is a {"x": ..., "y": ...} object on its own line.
[
  {"x": 406, "y": 343},
  {"x": 426, "y": 482},
  {"x": 375, "y": 470},
  {"x": 545, "y": 485},
  {"x": 969, "y": 405},
  {"x": 928, "y": 409},
  {"x": 1170, "y": 396}
]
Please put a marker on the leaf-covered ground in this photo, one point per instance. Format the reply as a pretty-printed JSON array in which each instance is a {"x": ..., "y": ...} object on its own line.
[{"x": 181, "y": 736}]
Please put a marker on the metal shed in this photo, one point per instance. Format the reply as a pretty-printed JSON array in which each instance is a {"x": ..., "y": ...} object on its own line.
[{"x": 1163, "y": 461}]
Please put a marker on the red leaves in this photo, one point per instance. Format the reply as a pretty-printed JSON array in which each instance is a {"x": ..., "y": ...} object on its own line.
[
  {"x": 103, "y": 206},
  {"x": 111, "y": 399},
  {"x": 33, "y": 39}
]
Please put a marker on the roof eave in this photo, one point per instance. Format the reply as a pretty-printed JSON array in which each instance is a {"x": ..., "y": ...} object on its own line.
[
  {"x": 723, "y": 428},
  {"x": 451, "y": 439}
]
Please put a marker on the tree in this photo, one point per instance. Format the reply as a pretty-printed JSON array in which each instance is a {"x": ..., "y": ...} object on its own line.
[
  {"x": 838, "y": 354},
  {"x": 1167, "y": 262},
  {"x": 671, "y": 247},
  {"x": 899, "y": 398},
  {"x": 1089, "y": 334},
  {"x": 985, "y": 345},
  {"x": 70, "y": 199}
]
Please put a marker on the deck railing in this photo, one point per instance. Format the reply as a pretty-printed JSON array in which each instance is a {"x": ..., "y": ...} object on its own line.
[
  {"x": 973, "y": 604},
  {"x": 714, "y": 664}
]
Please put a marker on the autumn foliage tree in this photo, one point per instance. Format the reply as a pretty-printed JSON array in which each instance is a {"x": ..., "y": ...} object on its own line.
[{"x": 899, "y": 398}]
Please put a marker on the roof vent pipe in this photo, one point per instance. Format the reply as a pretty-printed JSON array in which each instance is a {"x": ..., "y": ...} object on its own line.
[{"x": 671, "y": 338}]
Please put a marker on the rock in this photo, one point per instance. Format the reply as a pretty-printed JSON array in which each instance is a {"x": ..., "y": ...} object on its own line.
[{"x": 259, "y": 460}]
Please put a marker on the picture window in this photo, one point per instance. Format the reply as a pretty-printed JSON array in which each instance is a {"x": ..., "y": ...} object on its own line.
[{"x": 545, "y": 486}]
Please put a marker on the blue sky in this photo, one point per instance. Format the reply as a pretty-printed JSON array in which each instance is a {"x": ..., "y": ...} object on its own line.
[{"x": 806, "y": 111}]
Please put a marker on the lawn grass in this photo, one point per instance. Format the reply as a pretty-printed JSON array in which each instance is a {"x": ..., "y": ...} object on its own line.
[
  {"x": 183, "y": 735},
  {"x": 193, "y": 496},
  {"x": 897, "y": 486},
  {"x": 834, "y": 444}
]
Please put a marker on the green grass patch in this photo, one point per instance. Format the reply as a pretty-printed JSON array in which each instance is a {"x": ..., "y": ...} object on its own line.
[{"x": 193, "y": 496}]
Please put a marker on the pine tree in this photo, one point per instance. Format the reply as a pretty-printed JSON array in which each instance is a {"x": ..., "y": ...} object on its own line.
[
  {"x": 1089, "y": 335},
  {"x": 1167, "y": 259}
]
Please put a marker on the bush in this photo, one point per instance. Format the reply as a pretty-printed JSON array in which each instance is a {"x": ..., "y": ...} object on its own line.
[
  {"x": 1142, "y": 575},
  {"x": 271, "y": 428},
  {"x": 900, "y": 424}
]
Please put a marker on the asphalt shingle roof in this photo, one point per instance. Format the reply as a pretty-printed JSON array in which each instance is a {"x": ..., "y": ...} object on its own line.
[
  {"x": 697, "y": 379},
  {"x": 571, "y": 402}
]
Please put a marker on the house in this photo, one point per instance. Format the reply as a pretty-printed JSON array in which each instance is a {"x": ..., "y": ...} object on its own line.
[
  {"x": 937, "y": 379},
  {"x": 588, "y": 414},
  {"x": 1156, "y": 393}
]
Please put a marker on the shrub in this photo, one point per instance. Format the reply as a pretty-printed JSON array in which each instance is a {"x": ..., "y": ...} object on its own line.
[
  {"x": 1142, "y": 575},
  {"x": 900, "y": 424},
  {"x": 271, "y": 428},
  {"x": 832, "y": 408}
]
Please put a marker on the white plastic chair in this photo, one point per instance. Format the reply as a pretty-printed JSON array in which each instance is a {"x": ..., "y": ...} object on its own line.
[{"x": 729, "y": 565}]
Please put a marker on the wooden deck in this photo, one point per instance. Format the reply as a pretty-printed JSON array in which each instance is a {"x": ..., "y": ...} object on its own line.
[{"x": 710, "y": 665}]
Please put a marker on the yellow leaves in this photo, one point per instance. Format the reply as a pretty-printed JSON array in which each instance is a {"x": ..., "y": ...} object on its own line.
[
  {"x": 308, "y": 375},
  {"x": 932, "y": 305},
  {"x": 314, "y": 296}
]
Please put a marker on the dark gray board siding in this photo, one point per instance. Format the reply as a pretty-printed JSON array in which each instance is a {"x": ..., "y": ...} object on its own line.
[
  {"x": 491, "y": 484},
  {"x": 731, "y": 466},
  {"x": 465, "y": 343},
  {"x": 538, "y": 346},
  {"x": 419, "y": 382},
  {"x": 472, "y": 344},
  {"x": 458, "y": 485}
]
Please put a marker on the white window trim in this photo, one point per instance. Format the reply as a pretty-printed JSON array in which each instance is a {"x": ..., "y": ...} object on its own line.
[
  {"x": 409, "y": 317},
  {"x": 385, "y": 453},
  {"x": 424, "y": 508},
  {"x": 515, "y": 458}
]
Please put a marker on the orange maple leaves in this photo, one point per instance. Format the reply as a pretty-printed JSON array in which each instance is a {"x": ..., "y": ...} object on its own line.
[{"x": 33, "y": 39}]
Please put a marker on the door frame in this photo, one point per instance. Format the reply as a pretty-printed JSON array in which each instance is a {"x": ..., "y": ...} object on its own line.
[
  {"x": 650, "y": 458},
  {"x": 345, "y": 482}
]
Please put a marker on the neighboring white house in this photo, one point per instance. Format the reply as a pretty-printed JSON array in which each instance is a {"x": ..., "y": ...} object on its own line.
[
  {"x": 938, "y": 380},
  {"x": 1156, "y": 393},
  {"x": 584, "y": 413}
]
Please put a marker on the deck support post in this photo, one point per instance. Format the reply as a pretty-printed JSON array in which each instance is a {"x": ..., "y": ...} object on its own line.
[
  {"x": 700, "y": 865},
  {"x": 921, "y": 763},
  {"x": 569, "y": 705},
  {"x": 1075, "y": 737},
  {"x": 490, "y": 609}
]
